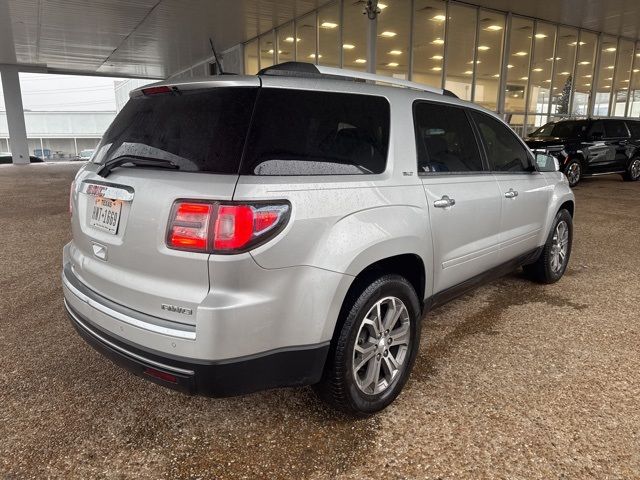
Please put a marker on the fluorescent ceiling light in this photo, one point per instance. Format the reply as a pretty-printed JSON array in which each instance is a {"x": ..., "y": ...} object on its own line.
[
  {"x": 439, "y": 18},
  {"x": 328, "y": 25},
  {"x": 313, "y": 55},
  {"x": 348, "y": 46},
  {"x": 524, "y": 78},
  {"x": 521, "y": 54},
  {"x": 436, "y": 69},
  {"x": 537, "y": 69},
  {"x": 610, "y": 67},
  {"x": 540, "y": 35},
  {"x": 382, "y": 6},
  {"x": 392, "y": 64},
  {"x": 584, "y": 63},
  {"x": 388, "y": 34},
  {"x": 361, "y": 60},
  {"x": 573, "y": 44},
  {"x": 509, "y": 66},
  {"x": 437, "y": 57},
  {"x": 438, "y": 41},
  {"x": 587, "y": 84},
  {"x": 563, "y": 73},
  {"x": 494, "y": 28},
  {"x": 610, "y": 49},
  {"x": 483, "y": 48},
  {"x": 290, "y": 39},
  {"x": 469, "y": 72},
  {"x": 395, "y": 52},
  {"x": 497, "y": 75}
]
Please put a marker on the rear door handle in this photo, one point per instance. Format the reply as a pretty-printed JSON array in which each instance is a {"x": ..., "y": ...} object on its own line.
[
  {"x": 444, "y": 202},
  {"x": 511, "y": 193}
]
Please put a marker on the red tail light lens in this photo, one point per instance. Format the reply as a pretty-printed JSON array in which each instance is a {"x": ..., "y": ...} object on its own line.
[
  {"x": 156, "y": 90},
  {"x": 224, "y": 228}
]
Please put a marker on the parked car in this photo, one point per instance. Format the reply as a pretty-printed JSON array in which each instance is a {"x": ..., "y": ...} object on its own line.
[
  {"x": 6, "y": 158},
  {"x": 591, "y": 147},
  {"x": 291, "y": 228}
]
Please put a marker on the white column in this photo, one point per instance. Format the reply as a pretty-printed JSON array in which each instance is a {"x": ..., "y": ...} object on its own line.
[{"x": 15, "y": 114}]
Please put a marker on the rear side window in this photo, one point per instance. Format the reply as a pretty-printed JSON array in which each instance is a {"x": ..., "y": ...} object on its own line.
[
  {"x": 299, "y": 132},
  {"x": 444, "y": 139},
  {"x": 634, "y": 128},
  {"x": 504, "y": 151},
  {"x": 199, "y": 130},
  {"x": 615, "y": 129}
]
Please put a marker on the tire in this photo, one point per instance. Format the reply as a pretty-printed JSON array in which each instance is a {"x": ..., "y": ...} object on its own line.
[
  {"x": 550, "y": 266},
  {"x": 633, "y": 172},
  {"x": 356, "y": 393},
  {"x": 573, "y": 172}
]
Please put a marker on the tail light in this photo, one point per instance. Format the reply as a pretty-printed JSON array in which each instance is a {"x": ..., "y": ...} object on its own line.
[{"x": 216, "y": 227}]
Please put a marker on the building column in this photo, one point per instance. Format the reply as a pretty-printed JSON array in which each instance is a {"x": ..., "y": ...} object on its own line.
[{"x": 15, "y": 114}]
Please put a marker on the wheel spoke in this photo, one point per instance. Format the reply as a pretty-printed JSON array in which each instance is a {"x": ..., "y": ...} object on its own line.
[
  {"x": 391, "y": 365},
  {"x": 400, "y": 336},
  {"x": 373, "y": 324},
  {"x": 366, "y": 355}
]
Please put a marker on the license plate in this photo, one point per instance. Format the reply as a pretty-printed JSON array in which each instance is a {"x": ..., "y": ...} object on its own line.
[{"x": 106, "y": 214}]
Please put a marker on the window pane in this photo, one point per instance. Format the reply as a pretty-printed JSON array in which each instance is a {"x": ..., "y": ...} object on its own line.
[
  {"x": 518, "y": 64},
  {"x": 540, "y": 75},
  {"x": 584, "y": 72},
  {"x": 615, "y": 129},
  {"x": 392, "y": 44},
  {"x": 460, "y": 61},
  {"x": 622, "y": 76},
  {"x": 634, "y": 102},
  {"x": 489, "y": 64},
  {"x": 329, "y": 35},
  {"x": 354, "y": 33},
  {"x": 445, "y": 140},
  {"x": 563, "y": 79},
  {"x": 267, "y": 50},
  {"x": 608, "y": 49},
  {"x": 305, "y": 41},
  {"x": 251, "y": 65},
  {"x": 504, "y": 150},
  {"x": 428, "y": 42},
  {"x": 318, "y": 133},
  {"x": 634, "y": 128},
  {"x": 516, "y": 122},
  {"x": 286, "y": 50}
]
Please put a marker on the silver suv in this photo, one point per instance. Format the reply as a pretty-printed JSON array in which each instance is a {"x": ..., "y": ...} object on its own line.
[{"x": 240, "y": 233}]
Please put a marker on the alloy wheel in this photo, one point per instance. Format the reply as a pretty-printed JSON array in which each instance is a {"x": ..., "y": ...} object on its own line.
[
  {"x": 382, "y": 346},
  {"x": 559, "y": 246},
  {"x": 573, "y": 173},
  {"x": 635, "y": 169}
]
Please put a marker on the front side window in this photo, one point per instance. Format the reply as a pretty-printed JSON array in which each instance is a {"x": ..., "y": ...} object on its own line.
[
  {"x": 301, "y": 132},
  {"x": 596, "y": 130},
  {"x": 444, "y": 140},
  {"x": 615, "y": 129},
  {"x": 634, "y": 128},
  {"x": 504, "y": 151}
]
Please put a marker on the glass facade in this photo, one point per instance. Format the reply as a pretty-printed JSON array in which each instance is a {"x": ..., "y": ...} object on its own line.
[{"x": 528, "y": 70}]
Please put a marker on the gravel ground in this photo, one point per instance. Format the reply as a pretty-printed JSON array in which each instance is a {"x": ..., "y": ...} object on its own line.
[{"x": 514, "y": 380}]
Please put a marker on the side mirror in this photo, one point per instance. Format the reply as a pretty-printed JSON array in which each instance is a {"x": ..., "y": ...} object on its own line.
[{"x": 547, "y": 163}]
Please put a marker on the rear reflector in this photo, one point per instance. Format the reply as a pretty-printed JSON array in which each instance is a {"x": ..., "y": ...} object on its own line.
[
  {"x": 156, "y": 90},
  {"x": 224, "y": 228},
  {"x": 167, "y": 377}
]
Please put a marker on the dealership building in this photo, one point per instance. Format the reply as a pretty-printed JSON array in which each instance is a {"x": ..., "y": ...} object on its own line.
[{"x": 530, "y": 62}]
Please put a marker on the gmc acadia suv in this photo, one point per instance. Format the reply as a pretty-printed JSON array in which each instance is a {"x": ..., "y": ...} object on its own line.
[
  {"x": 240, "y": 233},
  {"x": 591, "y": 147}
]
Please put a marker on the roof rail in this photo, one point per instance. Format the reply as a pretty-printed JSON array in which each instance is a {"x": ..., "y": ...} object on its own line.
[{"x": 309, "y": 70}]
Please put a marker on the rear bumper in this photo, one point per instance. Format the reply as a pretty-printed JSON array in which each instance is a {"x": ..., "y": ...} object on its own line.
[{"x": 279, "y": 368}]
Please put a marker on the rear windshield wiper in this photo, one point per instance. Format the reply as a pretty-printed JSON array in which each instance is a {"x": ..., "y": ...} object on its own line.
[{"x": 138, "y": 161}]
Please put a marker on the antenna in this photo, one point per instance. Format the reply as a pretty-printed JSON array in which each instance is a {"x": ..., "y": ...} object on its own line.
[{"x": 218, "y": 59}]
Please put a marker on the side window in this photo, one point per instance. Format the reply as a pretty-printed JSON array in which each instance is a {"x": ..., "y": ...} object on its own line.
[
  {"x": 506, "y": 153},
  {"x": 303, "y": 132},
  {"x": 615, "y": 129},
  {"x": 444, "y": 139},
  {"x": 596, "y": 130},
  {"x": 634, "y": 128}
]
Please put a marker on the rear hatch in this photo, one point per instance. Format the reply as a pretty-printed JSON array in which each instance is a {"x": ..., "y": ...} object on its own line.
[{"x": 172, "y": 143}]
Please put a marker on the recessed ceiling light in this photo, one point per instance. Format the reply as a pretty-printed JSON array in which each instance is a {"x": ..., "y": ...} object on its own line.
[
  {"x": 392, "y": 64},
  {"x": 587, "y": 84},
  {"x": 515, "y": 95},
  {"x": 361, "y": 60},
  {"x": 537, "y": 69},
  {"x": 439, "y": 18},
  {"x": 551, "y": 59},
  {"x": 610, "y": 78},
  {"x": 573, "y": 44},
  {"x": 524, "y": 78},
  {"x": 587, "y": 76},
  {"x": 540, "y": 35},
  {"x": 584, "y": 63},
  {"x": 494, "y": 28},
  {"x": 313, "y": 55},
  {"x": 388, "y": 34},
  {"x": 436, "y": 69},
  {"x": 328, "y": 25},
  {"x": 437, "y": 57},
  {"x": 438, "y": 41},
  {"x": 395, "y": 52},
  {"x": 521, "y": 54},
  {"x": 382, "y": 6},
  {"x": 497, "y": 75},
  {"x": 469, "y": 72},
  {"x": 290, "y": 39},
  {"x": 483, "y": 48},
  {"x": 509, "y": 66},
  {"x": 610, "y": 49},
  {"x": 563, "y": 73},
  {"x": 610, "y": 67},
  {"x": 348, "y": 46},
  {"x": 472, "y": 62}
]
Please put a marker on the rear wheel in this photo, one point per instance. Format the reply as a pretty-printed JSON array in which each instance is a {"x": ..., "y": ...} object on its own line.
[
  {"x": 553, "y": 261},
  {"x": 573, "y": 172},
  {"x": 374, "y": 351},
  {"x": 633, "y": 172}
]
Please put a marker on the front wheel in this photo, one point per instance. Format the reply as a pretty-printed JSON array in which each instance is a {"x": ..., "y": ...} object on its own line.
[
  {"x": 633, "y": 172},
  {"x": 553, "y": 261},
  {"x": 573, "y": 173},
  {"x": 374, "y": 351}
]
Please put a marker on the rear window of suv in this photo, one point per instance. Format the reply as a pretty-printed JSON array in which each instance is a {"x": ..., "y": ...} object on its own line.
[
  {"x": 300, "y": 132},
  {"x": 199, "y": 130}
]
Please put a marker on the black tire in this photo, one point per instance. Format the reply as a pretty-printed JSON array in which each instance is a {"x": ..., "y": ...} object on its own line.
[
  {"x": 633, "y": 171},
  {"x": 338, "y": 386},
  {"x": 542, "y": 270},
  {"x": 573, "y": 172}
]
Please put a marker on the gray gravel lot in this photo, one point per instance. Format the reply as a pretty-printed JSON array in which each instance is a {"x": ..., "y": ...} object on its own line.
[{"x": 514, "y": 380}]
